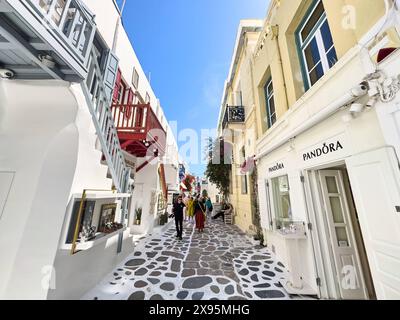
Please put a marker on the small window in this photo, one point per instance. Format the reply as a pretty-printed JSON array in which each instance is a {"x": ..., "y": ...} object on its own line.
[
  {"x": 316, "y": 45},
  {"x": 270, "y": 102},
  {"x": 244, "y": 184},
  {"x": 282, "y": 206},
  {"x": 135, "y": 79}
]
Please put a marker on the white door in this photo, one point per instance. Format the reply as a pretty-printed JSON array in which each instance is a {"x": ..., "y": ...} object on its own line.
[
  {"x": 347, "y": 263},
  {"x": 375, "y": 180}
]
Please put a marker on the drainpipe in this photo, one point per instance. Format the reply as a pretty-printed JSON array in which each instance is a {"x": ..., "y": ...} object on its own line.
[
  {"x": 275, "y": 37},
  {"x": 114, "y": 47},
  {"x": 349, "y": 97},
  {"x": 115, "y": 40}
]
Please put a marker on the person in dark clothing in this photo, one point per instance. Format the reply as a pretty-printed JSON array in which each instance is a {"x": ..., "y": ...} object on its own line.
[
  {"x": 225, "y": 207},
  {"x": 178, "y": 212},
  {"x": 200, "y": 213}
]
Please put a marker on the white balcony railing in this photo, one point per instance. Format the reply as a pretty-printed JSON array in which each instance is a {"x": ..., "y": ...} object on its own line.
[
  {"x": 66, "y": 26},
  {"x": 72, "y": 21}
]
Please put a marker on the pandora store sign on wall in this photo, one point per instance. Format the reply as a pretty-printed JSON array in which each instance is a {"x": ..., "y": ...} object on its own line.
[{"x": 330, "y": 149}]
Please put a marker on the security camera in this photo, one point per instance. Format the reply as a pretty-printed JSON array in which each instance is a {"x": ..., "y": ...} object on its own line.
[
  {"x": 356, "y": 108},
  {"x": 360, "y": 90},
  {"x": 47, "y": 60},
  {"x": 6, "y": 74}
]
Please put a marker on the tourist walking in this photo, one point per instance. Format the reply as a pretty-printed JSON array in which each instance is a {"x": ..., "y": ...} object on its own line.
[
  {"x": 200, "y": 213},
  {"x": 178, "y": 212},
  {"x": 190, "y": 209},
  {"x": 209, "y": 207}
]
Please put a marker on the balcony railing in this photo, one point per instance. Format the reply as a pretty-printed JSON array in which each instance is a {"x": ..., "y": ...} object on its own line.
[
  {"x": 139, "y": 128},
  {"x": 60, "y": 29},
  {"x": 233, "y": 114}
]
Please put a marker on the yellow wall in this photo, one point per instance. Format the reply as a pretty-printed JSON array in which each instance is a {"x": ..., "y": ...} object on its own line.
[
  {"x": 245, "y": 134},
  {"x": 287, "y": 15},
  {"x": 273, "y": 51}
]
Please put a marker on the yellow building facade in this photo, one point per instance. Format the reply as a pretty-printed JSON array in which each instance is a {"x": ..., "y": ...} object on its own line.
[
  {"x": 238, "y": 123},
  {"x": 320, "y": 89},
  {"x": 320, "y": 70}
]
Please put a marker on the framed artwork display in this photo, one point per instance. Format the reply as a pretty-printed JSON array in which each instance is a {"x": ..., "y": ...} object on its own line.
[{"x": 107, "y": 216}]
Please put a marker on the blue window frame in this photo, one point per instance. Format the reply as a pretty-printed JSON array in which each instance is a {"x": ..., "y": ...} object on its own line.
[
  {"x": 270, "y": 103},
  {"x": 315, "y": 44}
]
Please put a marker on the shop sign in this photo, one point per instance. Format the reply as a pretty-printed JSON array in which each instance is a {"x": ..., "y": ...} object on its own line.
[
  {"x": 277, "y": 167},
  {"x": 324, "y": 149}
]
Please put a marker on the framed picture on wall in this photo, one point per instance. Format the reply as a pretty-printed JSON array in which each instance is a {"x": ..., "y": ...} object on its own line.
[
  {"x": 86, "y": 219},
  {"x": 107, "y": 217}
]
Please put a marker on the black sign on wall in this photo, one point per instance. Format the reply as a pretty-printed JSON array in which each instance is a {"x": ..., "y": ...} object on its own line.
[
  {"x": 277, "y": 167},
  {"x": 323, "y": 150}
]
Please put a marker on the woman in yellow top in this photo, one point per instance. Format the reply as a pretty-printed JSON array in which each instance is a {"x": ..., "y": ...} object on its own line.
[{"x": 190, "y": 208}]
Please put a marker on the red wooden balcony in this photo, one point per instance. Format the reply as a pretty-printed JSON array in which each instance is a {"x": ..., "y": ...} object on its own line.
[{"x": 139, "y": 131}]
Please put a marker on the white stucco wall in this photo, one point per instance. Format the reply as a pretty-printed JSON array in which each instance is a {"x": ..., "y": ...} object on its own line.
[
  {"x": 48, "y": 142},
  {"x": 39, "y": 142},
  {"x": 146, "y": 181}
]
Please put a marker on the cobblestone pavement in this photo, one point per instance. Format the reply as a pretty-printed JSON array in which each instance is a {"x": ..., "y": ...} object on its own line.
[{"x": 220, "y": 264}]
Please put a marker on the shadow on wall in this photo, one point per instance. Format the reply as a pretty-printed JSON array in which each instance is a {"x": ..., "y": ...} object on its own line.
[
  {"x": 44, "y": 225},
  {"x": 39, "y": 133},
  {"x": 2, "y": 104}
]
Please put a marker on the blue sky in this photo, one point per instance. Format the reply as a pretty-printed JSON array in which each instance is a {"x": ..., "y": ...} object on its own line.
[{"x": 187, "y": 47}]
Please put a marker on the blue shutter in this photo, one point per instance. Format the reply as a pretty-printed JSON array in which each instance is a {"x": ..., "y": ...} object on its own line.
[{"x": 110, "y": 74}]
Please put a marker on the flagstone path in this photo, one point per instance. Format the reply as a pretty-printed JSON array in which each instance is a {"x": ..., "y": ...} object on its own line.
[{"x": 220, "y": 264}]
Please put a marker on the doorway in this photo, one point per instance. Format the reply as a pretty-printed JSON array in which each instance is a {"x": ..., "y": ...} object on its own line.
[{"x": 346, "y": 272}]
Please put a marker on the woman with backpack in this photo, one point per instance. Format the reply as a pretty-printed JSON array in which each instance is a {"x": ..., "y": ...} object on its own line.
[
  {"x": 209, "y": 207},
  {"x": 199, "y": 213}
]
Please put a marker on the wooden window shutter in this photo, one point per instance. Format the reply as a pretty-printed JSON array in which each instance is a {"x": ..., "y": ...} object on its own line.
[{"x": 117, "y": 86}]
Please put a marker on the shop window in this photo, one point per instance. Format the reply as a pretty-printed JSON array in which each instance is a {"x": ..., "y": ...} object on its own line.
[
  {"x": 315, "y": 44},
  {"x": 270, "y": 103},
  {"x": 91, "y": 226},
  {"x": 86, "y": 220},
  {"x": 281, "y": 199},
  {"x": 135, "y": 79}
]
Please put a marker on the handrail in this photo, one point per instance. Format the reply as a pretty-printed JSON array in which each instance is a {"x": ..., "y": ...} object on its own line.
[{"x": 99, "y": 107}]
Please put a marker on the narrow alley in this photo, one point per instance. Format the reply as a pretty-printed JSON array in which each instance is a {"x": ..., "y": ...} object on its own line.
[{"x": 220, "y": 264}]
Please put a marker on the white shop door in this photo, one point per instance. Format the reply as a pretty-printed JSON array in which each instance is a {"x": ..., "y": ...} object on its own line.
[
  {"x": 375, "y": 181},
  {"x": 343, "y": 243}
]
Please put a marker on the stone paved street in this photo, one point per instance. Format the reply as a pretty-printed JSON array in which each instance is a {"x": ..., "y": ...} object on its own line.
[{"x": 222, "y": 263}]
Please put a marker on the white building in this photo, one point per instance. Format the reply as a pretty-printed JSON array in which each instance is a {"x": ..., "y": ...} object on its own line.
[{"x": 64, "y": 155}]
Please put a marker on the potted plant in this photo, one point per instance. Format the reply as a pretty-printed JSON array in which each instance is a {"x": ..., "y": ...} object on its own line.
[{"x": 138, "y": 216}]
